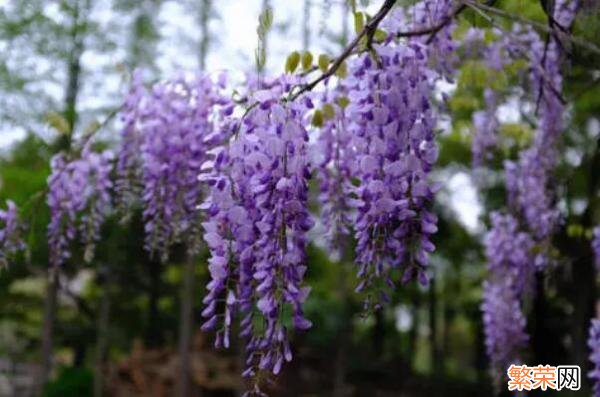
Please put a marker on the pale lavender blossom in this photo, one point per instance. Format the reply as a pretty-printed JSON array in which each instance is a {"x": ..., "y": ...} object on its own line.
[
  {"x": 79, "y": 201},
  {"x": 129, "y": 162},
  {"x": 175, "y": 129},
  {"x": 392, "y": 124},
  {"x": 335, "y": 166},
  {"x": 11, "y": 233},
  {"x": 503, "y": 325},
  {"x": 485, "y": 124},
  {"x": 257, "y": 228},
  {"x": 510, "y": 253},
  {"x": 594, "y": 345},
  {"x": 596, "y": 247},
  {"x": 529, "y": 180}
]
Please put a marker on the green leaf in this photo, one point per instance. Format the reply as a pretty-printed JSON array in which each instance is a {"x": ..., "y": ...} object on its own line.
[
  {"x": 380, "y": 35},
  {"x": 292, "y": 62},
  {"x": 317, "y": 119},
  {"x": 328, "y": 111},
  {"x": 359, "y": 22},
  {"x": 307, "y": 59},
  {"x": 342, "y": 102},
  {"x": 589, "y": 233},
  {"x": 266, "y": 19},
  {"x": 575, "y": 230},
  {"x": 58, "y": 122},
  {"x": 324, "y": 62},
  {"x": 342, "y": 71}
]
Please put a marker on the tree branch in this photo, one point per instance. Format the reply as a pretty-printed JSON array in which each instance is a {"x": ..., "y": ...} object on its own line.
[
  {"x": 524, "y": 52},
  {"x": 368, "y": 31},
  {"x": 591, "y": 47}
]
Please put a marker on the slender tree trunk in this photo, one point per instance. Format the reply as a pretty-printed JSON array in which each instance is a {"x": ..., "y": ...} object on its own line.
[
  {"x": 186, "y": 328},
  {"x": 344, "y": 335},
  {"x": 102, "y": 338},
  {"x": 205, "y": 11},
  {"x": 306, "y": 25},
  {"x": 436, "y": 355},
  {"x": 343, "y": 342},
  {"x": 153, "y": 336},
  {"x": 79, "y": 20},
  {"x": 52, "y": 286},
  {"x": 263, "y": 44},
  {"x": 378, "y": 333},
  {"x": 583, "y": 304},
  {"x": 413, "y": 334},
  {"x": 583, "y": 291}
]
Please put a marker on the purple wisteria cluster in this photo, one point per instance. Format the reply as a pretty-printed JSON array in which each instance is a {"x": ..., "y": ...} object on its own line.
[
  {"x": 334, "y": 159},
  {"x": 495, "y": 55},
  {"x": 596, "y": 247},
  {"x": 392, "y": 127},
  {"x": 11, "y": 233},
  {"x": 510, "y": 250},
  {"x": 166, "y": 135},
  {"x": 257, "y": 228},
  {"x": 79, "y": 201},
  {"x": 129, "y": 160},
  {"x": 390, "y": 124},
  {"x": 510, "y": 253},
  {"x": 504, "y": 326},
  {"x": 594, "y": 345},
  {"x": 486, "y": 125},
  {"x": 529, "y": 180},
  {"x": 511, "y": 266}
]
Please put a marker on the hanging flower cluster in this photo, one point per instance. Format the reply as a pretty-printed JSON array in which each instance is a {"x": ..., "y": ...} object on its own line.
[
  {"x": 335, "y": 167},
  {"x": 129, "y": 159},
  {"x": 485, "y": 124},
  {"x": 79, "y": 201},
  {"x": 510, "y": 253},
  {"x": 529, "y": 179},
  {"x": 509, "y": 250},
  {"x": 441, "y": 46},
  {"x": 10, "y": 233},
  {"x": 511, "y": 265},
  {"x": 391, "y": 120},
  {"x": 166, "y": 134},
  {"x": 495, "y": 55},
  {"x": 596, "y": 246},
  {"x": 594, "y": 345},
  {"x": 257, "y": 228},
  {"x": 504, "y": 326},
  {"x": 392, "y": 127}
]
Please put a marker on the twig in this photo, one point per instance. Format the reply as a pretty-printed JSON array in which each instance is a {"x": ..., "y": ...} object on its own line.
[
  {"x": 540, "y": 26},
  {"x": 368, "y": 31},
  {"x": 433, "y": 30},
  {"x": 543, "y": 74},
  {"x": 87, "y": 137}
]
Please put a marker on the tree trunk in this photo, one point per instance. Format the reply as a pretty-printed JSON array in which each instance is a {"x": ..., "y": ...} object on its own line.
[
  {"x": 52, "y": 286},
  {"x": 436, "y": 355},
  {"x": 78, "y": 22},
  {"x": 306, "y": 25},
  {"x": 205, "y": 10},
  {"x": 186, "y": 328},
  {"x": 341, "y": 359},
  {"x": 346, "y": 12},
  {"x": 413, "y": 334},
  {"x": 102, "y": 338},
  {"x": 153, "y": 334}
]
